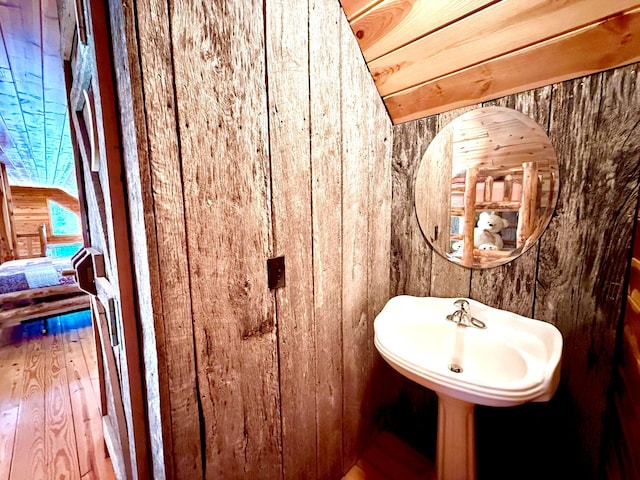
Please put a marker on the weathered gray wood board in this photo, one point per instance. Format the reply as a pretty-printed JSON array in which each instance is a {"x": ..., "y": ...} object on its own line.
[
  {"x": 326, "y": 192},
  {"x": 254, "y": 139},
  {"x": 287, "y": 50},
  {"x": 225, "y": 166},
  {"x": 574, "y": 276},
  {"x": 159, "y": 248},
  {"x": 366, "y": 240},
  {"x": 410, "y": 254},
  {"x": 594, "y": 122}
]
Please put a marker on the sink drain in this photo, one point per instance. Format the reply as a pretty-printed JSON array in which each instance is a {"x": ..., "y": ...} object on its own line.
[{"x": 455, "y": 368}]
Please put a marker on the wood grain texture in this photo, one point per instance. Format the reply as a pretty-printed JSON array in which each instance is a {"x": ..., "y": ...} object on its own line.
[
  {"x": 60, "y": 442},
  {"x": 67, "y": 20},
  {"x": 489, "y": 33},
  {"x": 37, "y": 310},
  {"x": 595, "y": 136},
  {"x": 364, "y": 287},
  {"x": 327, "y": 225},
  {"x": 85, "y": 402},
  {"x": 389, "y": 458},
  {"x": 392, "y": 24},
  {"x": 355, "y": 207},
  {"x": 428, "y": 59},
  {"x": 118, "y": 264},
  {"x": 224, "y": 178},
  {"x": 12, "y": 367},
  {"x": 156, "y": 200},
  {"x": 287, "y": 56},
  {"x": 353, "y": 8},
  {"x": 34, "y": 293},
  {"x": 226, "y": 183},
  {"x": 71, "y": 442},
  {"x": 383, "y": 383},
  {"x": 31, "y": 210},
  {"x": 410, "y": 253},
  {"x": 624, "y": 426},
  {"x": 433, "y": 192},
  {"x": 608, "y": 44},
  {"x": 30, "y": 456},
  {"x": 114, "y": 416},
  {"x": 577, "y": 286}
]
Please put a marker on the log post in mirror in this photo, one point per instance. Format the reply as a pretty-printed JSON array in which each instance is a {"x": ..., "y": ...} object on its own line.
[{"x": 486, "y": 187}]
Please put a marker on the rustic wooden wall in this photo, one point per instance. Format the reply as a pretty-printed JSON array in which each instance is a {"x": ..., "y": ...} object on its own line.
[
  {"x": 29, "y": 214},
  {"x": 31, "y": 209},
  {"x": 253, "y": 130},
  {"x": 573, "y": 278},
  {"x": 624, "y": 432},
  {"x": 8, "y": 239}
]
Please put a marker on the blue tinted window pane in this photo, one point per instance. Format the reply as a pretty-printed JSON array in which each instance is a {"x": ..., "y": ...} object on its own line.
[
  {"x": 63, "y": 250},
  {"x": 63, "y": 220}
]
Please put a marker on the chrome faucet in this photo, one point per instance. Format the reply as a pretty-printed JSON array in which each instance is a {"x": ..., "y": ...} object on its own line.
[{"x": 463, "y": 317}]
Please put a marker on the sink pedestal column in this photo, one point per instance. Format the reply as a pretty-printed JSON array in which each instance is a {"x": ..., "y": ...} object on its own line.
[{"x": 456, "y": 446}]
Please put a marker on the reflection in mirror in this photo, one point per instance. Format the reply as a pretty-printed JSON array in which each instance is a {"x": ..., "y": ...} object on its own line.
[{"x": 486, "y": 187}]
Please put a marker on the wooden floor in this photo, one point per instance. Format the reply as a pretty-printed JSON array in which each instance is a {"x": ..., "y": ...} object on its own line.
[
  {"x": 50, "y": 422},
  {"x": 389, "y": 458}
]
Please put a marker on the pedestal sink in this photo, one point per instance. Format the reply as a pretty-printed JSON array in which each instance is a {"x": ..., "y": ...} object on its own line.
[{"x": 501, "y": 359}]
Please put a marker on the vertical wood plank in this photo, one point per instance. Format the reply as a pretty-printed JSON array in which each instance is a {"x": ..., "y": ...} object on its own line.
[
  {"x": 218, "y": 57},
  {"x": 560, "y": 272},
  {"x": 144, "y": 249},
  {"x": 287, "y": 52},
  {"x": 411, "y": 254},
  {"x": 160, "y": 252},
  {"x": 383, "y": 384},
  {"x": 366, "y": 200},
  {"x": 355, "y": 208},
  {"x": 594, "y": 126},
  {"x": 326, "y": 192}
]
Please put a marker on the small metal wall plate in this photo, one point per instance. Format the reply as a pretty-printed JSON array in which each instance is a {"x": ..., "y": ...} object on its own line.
[{"x": 276, "y": 272}]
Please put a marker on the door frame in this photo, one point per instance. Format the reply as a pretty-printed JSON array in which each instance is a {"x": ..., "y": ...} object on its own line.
[{"x": 132, "y": 385}]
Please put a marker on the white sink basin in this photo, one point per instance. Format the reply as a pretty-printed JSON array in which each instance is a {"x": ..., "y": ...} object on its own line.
[{"x": 512, "y": 361}]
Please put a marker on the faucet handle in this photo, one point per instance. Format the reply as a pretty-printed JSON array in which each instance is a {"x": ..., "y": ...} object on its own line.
[{"x": 463, "y": 304}]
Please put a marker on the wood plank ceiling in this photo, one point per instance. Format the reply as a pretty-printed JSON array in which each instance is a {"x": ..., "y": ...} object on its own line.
[
  {"x": 426, "y": 57},
  {"x": 429, "y": 56},
  {"x": 34, "y": 126}
]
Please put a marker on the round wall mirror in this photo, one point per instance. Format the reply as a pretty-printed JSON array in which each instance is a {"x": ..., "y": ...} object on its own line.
[{"x": 486, "y": 187}]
